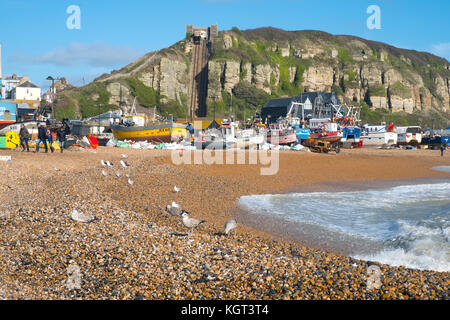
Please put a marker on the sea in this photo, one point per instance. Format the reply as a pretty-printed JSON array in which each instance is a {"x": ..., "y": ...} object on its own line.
[{"x": 403, "y": 225}]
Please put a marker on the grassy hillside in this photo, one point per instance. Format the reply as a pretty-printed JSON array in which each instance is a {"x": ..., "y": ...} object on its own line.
[{"x": 264, "y": 46}]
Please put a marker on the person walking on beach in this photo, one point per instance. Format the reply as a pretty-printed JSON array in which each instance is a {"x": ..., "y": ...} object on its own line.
[
  {"x": 50, "y": 140},
  {"x": 62, "y": 137},
  {"x": 42, "y": 137},
  {"x": 24, "y": 137},
  {"x": 442, "y": 149}
]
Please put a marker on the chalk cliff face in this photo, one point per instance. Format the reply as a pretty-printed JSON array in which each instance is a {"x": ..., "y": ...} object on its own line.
[{"x": 283, "y": 63}]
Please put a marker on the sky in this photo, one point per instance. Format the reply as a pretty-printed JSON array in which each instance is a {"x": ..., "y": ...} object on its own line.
[{"x": 36, "y": 40}]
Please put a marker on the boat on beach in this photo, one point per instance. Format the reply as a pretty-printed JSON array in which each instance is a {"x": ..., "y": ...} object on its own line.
[
  {"x": 329, "y": 133},
  {"x": 351, "y": 137},
  {"x": 379, "y": 135},
  {"x": 166, "y": 132},
  {"x": 409, "y": 135},
  {"x": 280, "y": 134}
]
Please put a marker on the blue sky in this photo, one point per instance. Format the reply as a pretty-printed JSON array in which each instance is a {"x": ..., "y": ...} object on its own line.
[{"x": 37, "y": 42}]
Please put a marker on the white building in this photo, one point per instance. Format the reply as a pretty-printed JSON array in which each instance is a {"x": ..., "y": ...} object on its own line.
[
  {"x": 11, "y": 82},
  {"x": 26, "y": 91}
]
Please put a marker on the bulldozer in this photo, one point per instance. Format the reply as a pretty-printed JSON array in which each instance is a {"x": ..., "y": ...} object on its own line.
[{"x": 322, "y": 146}]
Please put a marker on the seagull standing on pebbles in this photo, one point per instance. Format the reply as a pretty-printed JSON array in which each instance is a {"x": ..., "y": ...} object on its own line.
[
  {"x": 103, "y": 163},
  {"x": 174, "y": 209},
  {"x": 230, "y": 225},
  {"x": 109, "y": 164},
  {"x": 176, "y": 189},
  {"x": 124, "y": 164},
  {"x": 104, "y": 173},
  {"x": 131, "y": 182},
  {"x": 191, "y": 222},
  {"x": 124, "y": 156},
  {"x": 118, "y": 174}
]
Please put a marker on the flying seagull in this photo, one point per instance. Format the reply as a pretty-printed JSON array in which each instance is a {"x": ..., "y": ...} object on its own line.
[
  {"x": 81, "y": 217},
  {"x": 190, "y": 222},
  {"x": 174, "y": 209},
  {"x": 230, "y": 225},
  {"x": 176, "y": 189}
]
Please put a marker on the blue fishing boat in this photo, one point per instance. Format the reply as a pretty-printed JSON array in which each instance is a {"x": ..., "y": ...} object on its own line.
[
  {"x": 303, "y": 134},
  {"x": 351, "y": 136}
]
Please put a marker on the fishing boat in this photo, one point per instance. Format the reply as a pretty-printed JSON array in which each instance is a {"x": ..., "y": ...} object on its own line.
[
  {"x": 409, "y": 135},
  {"x": 280, "y": 134},
  {"x": 31, "y": 125},
  {"x": 379, "y": 135},
  {"x": 329, "y": 133},
  {"x": 132, "y": 127},
  {"x": 166, "y": 132},
  {"x": 351, "y": 137},
  {"x": 217, "y": 137}
]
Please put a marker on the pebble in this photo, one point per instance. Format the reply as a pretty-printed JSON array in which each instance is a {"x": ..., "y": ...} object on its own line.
[{"x": 132, "y": 251}]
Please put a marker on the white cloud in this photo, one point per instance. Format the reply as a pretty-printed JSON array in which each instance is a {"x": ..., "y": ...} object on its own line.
[
  {"x": 98, "y": 54},
  {"x": 442, "y": 49}
]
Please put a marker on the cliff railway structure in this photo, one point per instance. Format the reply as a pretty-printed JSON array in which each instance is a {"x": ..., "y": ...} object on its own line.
[{"x": 201, "y": 37}]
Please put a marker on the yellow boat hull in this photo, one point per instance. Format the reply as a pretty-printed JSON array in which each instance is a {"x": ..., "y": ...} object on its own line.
[{"x": 158, "y": 133}]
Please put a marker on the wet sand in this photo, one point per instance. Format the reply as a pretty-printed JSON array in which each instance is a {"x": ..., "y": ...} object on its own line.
[{"x": 136, "y": 250}]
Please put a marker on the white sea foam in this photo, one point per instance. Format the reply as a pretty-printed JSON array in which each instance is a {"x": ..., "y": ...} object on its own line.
[{"x": 411, "y": 222}]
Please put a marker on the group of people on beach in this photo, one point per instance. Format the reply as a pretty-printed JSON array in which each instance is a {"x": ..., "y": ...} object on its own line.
[{"x": 45, "y": 136}]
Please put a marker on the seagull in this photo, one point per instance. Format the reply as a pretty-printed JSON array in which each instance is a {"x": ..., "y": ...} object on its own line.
[
  {"x": 124, "y": 164},
  {"x": 118, "y": 174},
  {"x": 124, "y": 156},
  {"x": 81, "y": 217},
  {"x": 104, "y": 173},
  {"x": 109, "y": 164},
  {"x": 190, "y": 222},
  {"x": 174, "y": 209},
  {"x": 103, "y": 163},
  {"x": 230, "y": 225},
  {"x": 56, "y": 169},
  {"x": 131, "y": 182},
  {"x": 128, "y": 175},
  {"x": 176, "y": 190}
]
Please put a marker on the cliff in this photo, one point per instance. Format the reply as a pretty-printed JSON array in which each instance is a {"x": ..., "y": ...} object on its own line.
[{"x": 268, "y": 62}]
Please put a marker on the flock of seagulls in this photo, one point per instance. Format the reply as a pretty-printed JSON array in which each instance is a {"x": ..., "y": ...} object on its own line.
[
  {"x": 124, "y": 165},
  {"x": 174, "y": 209}
]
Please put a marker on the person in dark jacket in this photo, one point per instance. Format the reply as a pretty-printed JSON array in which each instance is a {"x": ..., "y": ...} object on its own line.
[
  {"x": 24, "y": 137},
  {"x": 442, "y": 149},
  {"x": 62, "y": 137},
  {"x": 42, "y": 137}
]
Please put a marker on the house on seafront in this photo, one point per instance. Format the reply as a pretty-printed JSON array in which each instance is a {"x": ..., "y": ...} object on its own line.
[
  {"x": 26, "y": 91},
  {"x": 305, "y": 106}
]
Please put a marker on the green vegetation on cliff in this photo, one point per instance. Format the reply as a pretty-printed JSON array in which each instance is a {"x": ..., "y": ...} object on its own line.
[{"x": 283, "y": 63}]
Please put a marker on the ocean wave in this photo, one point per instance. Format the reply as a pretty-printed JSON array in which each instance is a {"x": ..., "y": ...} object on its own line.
[{"x": 410, "y": 222}]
